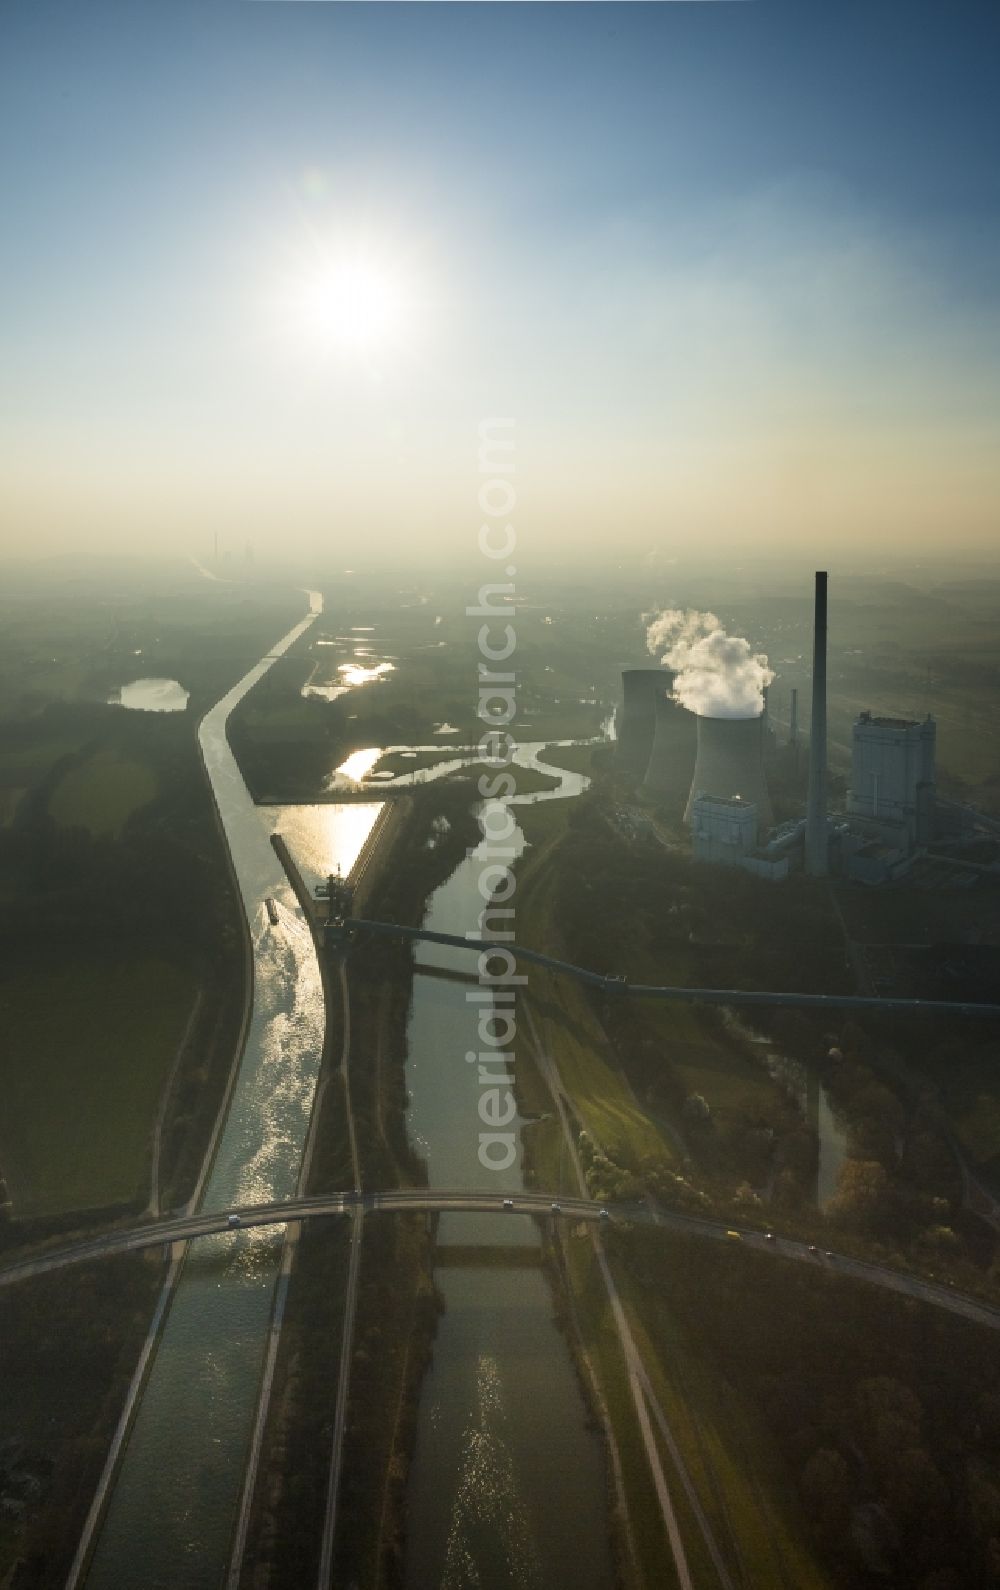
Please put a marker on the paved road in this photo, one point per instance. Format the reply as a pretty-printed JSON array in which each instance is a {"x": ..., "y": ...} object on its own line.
[{"x": 186, "y": 1227}]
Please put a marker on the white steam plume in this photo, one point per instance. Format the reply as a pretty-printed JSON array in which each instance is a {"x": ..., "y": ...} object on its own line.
[{"x": 717, "y": 675}]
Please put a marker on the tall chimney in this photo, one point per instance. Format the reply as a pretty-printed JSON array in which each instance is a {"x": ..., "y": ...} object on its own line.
[
  {"x": 793, "y": 724},
  {"x": 817, "y": 841}
]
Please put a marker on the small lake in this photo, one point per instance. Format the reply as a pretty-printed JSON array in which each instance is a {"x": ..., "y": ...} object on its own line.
[{"x": 151, "y": 695}]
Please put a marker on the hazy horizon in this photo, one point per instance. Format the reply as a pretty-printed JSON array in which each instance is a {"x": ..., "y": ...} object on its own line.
[{"x": 732, "y": 271}]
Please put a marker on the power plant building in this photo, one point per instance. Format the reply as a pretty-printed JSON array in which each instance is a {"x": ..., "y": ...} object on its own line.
[
  {"x": 723, "y": 830},
  {"x": 892, "y": 780}
]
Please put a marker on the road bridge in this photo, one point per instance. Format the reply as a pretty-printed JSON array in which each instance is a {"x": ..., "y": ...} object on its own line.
[{"x": 185, "y": 1228}]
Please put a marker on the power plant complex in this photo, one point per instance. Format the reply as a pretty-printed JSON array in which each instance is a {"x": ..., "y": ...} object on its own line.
[{"x": 708, "y": 767}]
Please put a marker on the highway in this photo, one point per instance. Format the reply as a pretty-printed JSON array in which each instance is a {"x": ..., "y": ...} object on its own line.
[
  {"x": 182, "y": 1228},
  {"x": 611, "y": 983}
]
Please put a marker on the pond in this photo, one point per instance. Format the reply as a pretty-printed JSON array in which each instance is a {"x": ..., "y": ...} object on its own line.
[{"x": 151, "y": 695}]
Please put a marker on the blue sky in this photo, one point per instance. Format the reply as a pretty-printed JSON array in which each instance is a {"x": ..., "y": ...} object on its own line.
[{"x": 676, "y": 242}]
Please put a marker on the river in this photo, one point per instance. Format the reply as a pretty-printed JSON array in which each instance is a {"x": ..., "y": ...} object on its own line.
[{"x": 508, "y": 1485}]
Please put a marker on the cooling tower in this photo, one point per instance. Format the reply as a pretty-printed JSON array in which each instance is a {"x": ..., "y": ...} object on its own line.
[
  {"x": 671, "y": 757},
  {"x": 731, "y": 762},
  {"x": 635, "y": 722}
]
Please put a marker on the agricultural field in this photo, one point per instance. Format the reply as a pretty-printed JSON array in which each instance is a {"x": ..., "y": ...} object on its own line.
[
  {"x": 88, "y": 1047},
  {"x": 102, "y": 793},
  {"x": 117, "y": 901}
]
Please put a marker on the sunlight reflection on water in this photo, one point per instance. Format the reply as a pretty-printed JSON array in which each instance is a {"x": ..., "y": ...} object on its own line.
[{"x": 323, "y": 838}]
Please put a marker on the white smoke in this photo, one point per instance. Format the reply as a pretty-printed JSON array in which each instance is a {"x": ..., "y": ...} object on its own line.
[{"x": 717, "y": 675}]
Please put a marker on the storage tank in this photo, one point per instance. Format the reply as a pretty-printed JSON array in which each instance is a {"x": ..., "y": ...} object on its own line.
[
  {"x": 635, "y": 721},
  {"x": 672, "y": 755},
  {"x": 730, "y": 761}
]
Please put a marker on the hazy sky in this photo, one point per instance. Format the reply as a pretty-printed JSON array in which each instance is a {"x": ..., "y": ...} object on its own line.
[{"x": 734, "y": 269}]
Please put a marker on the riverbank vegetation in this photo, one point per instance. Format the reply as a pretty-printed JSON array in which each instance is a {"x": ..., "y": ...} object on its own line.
[{"x": 884, "y": 1412}]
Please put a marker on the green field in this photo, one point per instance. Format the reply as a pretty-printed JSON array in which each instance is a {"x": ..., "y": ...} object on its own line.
[
  {"x": 730, "y": 1456},
  {"x": 102, "y": 793},
  {"x": 570, "y": 1033},
  {"x": 81, "y": 1081},
  {"x": 575, "y": 758}
]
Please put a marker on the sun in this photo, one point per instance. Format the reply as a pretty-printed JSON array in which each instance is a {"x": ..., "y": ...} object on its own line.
[{"x": 353, "y": 302}]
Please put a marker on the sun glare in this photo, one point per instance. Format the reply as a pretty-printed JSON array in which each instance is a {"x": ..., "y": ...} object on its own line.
[{"x": 351, "y": 303}]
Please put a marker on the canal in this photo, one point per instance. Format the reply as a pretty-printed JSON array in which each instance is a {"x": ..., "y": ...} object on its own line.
[{"x": 170, "y": 1513}]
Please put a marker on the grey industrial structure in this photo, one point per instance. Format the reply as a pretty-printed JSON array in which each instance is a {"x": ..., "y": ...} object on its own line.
[
  {"x": 636, "y": 720},
  {"x": 730, "y": 763},
  {"x": 668, "y": 768},
  {"x": 723, "y": 830},
  {"x": 892, "y": 779}
]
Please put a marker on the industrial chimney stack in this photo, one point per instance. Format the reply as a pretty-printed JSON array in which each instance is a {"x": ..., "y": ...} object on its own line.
[{"x": 817, "y": 839}]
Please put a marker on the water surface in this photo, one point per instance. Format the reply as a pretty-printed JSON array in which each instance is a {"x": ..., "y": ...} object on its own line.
[
  {"x": 151, "y": 695},
  {"x": 508, "y": 1489}
]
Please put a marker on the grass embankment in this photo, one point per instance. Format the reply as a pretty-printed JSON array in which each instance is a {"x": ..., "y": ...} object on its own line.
[
  {"x": 398, "y": 1308},
  {"x": 745, "y": 1490},
  {"x": 635, "y": 1122},
  {"x": 70, "y": 1346}
]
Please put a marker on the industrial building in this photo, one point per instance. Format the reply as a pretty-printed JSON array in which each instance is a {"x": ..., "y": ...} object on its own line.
[
  {"x": 894, "y": 824},
  {"x": 724, "y": 832},
  {"x": 892, "y": 780}
]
